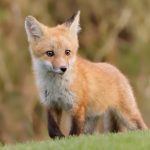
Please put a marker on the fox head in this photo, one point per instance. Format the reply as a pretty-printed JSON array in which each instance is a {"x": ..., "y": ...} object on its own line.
[{"x": 54, "y": 48}]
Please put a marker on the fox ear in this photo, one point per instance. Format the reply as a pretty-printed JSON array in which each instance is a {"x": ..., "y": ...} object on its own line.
[
  {"x": 73, "y": 23},
  {"x": 33, "y": 28}
]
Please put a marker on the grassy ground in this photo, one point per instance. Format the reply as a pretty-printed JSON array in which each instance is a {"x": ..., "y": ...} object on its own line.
[{"x": 121, "y": 141}]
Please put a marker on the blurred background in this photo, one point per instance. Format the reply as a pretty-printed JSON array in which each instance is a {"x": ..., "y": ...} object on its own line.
[{"x": 116, "y": 31}]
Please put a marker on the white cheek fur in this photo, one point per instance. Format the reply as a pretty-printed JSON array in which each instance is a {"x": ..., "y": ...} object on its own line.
[{"x": 48, "y": 64}]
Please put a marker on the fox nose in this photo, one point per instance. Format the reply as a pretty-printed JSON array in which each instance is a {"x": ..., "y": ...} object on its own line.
[{"x": 63, "y": 68}]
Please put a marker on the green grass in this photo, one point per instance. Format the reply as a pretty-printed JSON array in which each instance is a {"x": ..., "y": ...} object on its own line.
[{"x": 121, "y": 141}]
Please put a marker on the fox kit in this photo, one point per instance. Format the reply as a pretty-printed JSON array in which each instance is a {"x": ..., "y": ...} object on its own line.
[{"x": 80, "y": 88}]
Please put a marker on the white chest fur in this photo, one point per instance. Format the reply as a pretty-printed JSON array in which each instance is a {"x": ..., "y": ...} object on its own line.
[{"x": 53, "y": 88}]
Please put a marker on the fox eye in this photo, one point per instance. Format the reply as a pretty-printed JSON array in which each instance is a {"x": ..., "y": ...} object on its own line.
[
  {"x": 50, "y": 53},
  {"x": 67, "y": 52}
]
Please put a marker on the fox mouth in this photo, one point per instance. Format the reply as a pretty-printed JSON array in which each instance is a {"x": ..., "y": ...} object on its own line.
[{"x": 59, "y": 72}]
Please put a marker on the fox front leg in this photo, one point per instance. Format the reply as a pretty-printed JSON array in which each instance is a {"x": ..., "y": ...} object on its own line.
[
  {"x": 78, "y": 121},
  {"x": 53, "y": 129}
]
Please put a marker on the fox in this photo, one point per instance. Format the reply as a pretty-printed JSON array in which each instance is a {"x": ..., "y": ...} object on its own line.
[{"x": 82, "y": 89}]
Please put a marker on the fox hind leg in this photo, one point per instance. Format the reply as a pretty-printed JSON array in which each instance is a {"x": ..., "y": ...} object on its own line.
[
  {"x": 90, "y": 124},
  {"x": 111, "y": 123}
]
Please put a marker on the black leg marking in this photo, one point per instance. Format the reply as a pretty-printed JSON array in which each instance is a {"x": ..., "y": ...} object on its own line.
[
  {"x": 111, "y": 122},
  {"x": 114, "y": 124},
  {"x": 53, "y": 128},
  {"x": 77, "y": 127}
]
